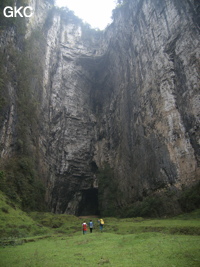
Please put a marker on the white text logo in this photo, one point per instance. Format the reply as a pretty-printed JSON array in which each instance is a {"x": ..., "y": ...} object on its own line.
[{"x": 21, "y": 11}]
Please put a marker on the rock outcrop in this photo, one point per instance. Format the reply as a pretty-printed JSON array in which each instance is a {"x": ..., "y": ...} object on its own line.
[
  {"x": 126, "y": 98},
  {"x": 151, "y": 109}
]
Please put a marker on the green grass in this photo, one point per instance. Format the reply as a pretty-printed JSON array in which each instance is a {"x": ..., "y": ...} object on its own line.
[
  {"x": 144, "y": 249},
  {"x": 59, "y": 223},
  {"x": 46, "y": 239},
  {"x": 14, "y": 223},
  {"x": 175, "y": 225}
]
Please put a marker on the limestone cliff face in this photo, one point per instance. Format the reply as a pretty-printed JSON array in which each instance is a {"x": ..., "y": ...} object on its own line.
[
  {"x": 128, "y": 97},
  {"x": 150, "y": 115},
  {"x": 71, "y": 134},
  {"x": 12, "y": 36}
]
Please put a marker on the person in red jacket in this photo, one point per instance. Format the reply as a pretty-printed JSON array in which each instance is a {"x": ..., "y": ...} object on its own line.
[{"x": 84, "y": 225}]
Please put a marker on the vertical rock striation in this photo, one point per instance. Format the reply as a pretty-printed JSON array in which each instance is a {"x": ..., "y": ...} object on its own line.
[
  {"x": 151, "y": 112},
  {"x": 127, "y": 97},
  {"x": 68, "y": 116}
]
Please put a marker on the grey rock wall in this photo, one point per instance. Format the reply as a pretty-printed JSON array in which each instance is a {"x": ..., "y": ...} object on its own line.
[
  {"x": 128, "y": 96},
  {"x": 151, "y": 112},
  {"x": 69, "y": 135}
]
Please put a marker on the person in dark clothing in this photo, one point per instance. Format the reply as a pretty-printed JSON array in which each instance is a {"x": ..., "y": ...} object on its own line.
[{"x": 91, "y": 225}]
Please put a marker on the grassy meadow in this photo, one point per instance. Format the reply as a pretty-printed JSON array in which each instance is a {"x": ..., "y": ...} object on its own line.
[{"x": 45, "y": 239}]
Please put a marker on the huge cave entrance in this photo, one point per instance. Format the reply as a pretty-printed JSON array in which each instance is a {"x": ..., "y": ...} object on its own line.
[{"x": 89, "y": 202}]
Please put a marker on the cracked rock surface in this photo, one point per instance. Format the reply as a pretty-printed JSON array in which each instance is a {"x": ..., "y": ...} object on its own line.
[{"x": 128, "y": 96}]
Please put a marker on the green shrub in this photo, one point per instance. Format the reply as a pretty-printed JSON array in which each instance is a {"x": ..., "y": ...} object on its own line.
[
  {"x": 190, "y": 198},
  {"x": 149, "y": 207},
  {"x": 20, "y": 183},
  {"x": 4, "y": 94},
  {"x": 20, "y": 176},
  {"x": 170, "y": 202},
  {"x": 108, "y": 191}
]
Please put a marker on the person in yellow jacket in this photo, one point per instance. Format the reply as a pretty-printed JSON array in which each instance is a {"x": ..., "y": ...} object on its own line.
[{"x": 101, "y": 221}]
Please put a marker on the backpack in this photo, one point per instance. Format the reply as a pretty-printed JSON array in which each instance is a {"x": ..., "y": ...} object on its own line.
[
  {"x": 84, "y": 227},
  {"x": 101, "y": 221}
]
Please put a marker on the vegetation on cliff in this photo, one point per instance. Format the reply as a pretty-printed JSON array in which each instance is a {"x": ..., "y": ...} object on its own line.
[
  {"x": 109, "y": 192},
  {"x": 135, "y": 98},
  {"x": 15, "y": 22},
  {"x": 20, "y": 87},
  {"x": 168, "y": 202}
]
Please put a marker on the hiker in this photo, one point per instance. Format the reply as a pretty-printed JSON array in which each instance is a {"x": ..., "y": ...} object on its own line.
[
  {"x": 91, "y": 225},
  {"x": 84, "y": 225},
  {"x": 101, "y": 221}
]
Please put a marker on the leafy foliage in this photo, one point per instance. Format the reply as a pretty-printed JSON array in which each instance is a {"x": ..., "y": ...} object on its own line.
[
  {"x": 146, "y": 208},
  {"x": 187, "y": 200},
  {"x": 20, "y": 183},
  {"x": 190, "y": 198},
  {"x": 108, "y": 190},
  {"x": 120, "y": 2},
  {"x": 20, "y": 175},
  {"x": 16, "y": 22},
  {"x": 120, "y": 5},
  {"x": 4, "y": 97}
]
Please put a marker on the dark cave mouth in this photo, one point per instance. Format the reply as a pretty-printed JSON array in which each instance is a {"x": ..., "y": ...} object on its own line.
[{"x": 89, "y": 202}]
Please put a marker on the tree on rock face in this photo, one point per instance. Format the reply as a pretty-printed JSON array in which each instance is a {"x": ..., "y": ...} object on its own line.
[{"x": 119, "y": 2}]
